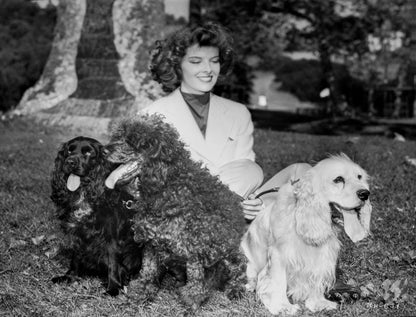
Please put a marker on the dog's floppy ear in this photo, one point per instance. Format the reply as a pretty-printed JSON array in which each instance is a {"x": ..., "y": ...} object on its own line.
[
  {"x": 58, "y": 181},
  {"x": 312, "y": 213}
]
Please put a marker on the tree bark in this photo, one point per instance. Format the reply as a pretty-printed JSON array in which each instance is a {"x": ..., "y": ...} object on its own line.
[
  {"x": 137, "y": 24},
  {"x": 98, "y": 63},
  {"x": 58, "y": 79}
]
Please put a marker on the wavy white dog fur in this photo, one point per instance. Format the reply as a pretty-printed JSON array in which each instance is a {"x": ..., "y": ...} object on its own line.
[{"x": 292, "y": 245}]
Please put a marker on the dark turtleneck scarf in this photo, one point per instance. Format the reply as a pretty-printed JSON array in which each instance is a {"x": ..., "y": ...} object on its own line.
[{"x": 199, "y": 106}]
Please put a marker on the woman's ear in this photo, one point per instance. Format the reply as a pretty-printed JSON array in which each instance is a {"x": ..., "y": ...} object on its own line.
[{"x": 312, "y": 213}]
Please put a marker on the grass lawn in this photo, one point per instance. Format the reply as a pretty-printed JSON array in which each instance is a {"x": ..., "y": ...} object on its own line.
[{"x": 384, "y": 266}]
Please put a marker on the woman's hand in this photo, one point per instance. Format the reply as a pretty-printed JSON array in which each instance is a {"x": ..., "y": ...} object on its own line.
[{"x": 252, "y": 206}]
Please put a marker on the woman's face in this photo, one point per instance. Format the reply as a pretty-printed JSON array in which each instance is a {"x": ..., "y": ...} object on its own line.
[{"x": 200, "y": 69}]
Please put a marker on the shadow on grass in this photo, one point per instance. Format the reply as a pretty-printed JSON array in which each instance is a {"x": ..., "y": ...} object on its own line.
[{"x": 319, "y": 125}]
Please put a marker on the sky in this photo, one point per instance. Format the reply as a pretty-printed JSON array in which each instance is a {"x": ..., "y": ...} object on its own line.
[{"x": 178, "y": 8}]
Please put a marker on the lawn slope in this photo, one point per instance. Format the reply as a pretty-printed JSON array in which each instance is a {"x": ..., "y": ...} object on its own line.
[{"x": 384, "y": 267}]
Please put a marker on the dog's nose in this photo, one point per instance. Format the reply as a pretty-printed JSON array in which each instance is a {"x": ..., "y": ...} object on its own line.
[
  {"x": 72, "y": 162},
  {"x": 363, "y": 194}
]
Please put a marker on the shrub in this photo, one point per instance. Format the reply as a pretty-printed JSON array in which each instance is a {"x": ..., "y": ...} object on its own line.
[{"x": 304, "y": 78}]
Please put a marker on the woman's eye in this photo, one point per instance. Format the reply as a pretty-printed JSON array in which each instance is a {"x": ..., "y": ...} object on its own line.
[
  {"x": 339, "y": 179},
  {"x": 194, "y": 60}
]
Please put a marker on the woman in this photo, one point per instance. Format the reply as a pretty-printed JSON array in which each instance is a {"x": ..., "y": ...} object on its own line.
[{"x": 218, "y": 132}]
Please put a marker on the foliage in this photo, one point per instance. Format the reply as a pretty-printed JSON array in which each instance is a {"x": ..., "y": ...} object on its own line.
[
  {"x": 331, "y": 28},
  {"x": 305, "y": 79},
  {"x": 237, "y": 85},
  {"x": 241, "y": 18},
  {"x": 384, "y": 266},
  {"x": 334, "y": 28},
  {"x": 374, "y": 65},
  {"x": 26, "y": 33}
]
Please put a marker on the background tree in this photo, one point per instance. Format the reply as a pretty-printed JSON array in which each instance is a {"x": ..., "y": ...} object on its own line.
[
  {"x": 99, "y": 59},
  {"x": 388, "y": 62},
  {"x": 253, "y": 36},
  {"x": 335, "y": 30}
]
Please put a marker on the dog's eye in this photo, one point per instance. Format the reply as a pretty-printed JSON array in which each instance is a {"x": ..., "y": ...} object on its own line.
[
  {"x": 71, "y": 148},
  {"x": 87, "y": 151},
  {"x": 360, "y": 176},
  {"x": 339, "y": 179}
]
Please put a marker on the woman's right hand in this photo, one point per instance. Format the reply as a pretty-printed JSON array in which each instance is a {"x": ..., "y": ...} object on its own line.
[{"x": 252, "y": 206}]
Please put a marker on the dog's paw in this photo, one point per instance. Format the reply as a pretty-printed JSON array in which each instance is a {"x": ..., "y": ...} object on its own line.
[
  {"x": 143, "y": 291},
  {"x": 251, "y": 285},
  {"x": 112, "y": 292},
  {"x": 315, "y": 305},
  {"x": 342, "y": 293},
  {"x": 62, "y": 279},
  {"x": 235, "y": 292},
  {"x": 286, "y": 308},
  {"x": 193, "y": 296}
]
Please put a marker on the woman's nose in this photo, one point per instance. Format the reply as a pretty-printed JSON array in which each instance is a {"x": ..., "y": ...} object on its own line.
[{"x": 207, "y": 66}]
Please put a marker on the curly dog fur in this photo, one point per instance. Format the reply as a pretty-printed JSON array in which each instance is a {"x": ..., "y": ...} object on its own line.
[
  {"x": 96, "y": 222},
  {"x": 182, "y": 212}
]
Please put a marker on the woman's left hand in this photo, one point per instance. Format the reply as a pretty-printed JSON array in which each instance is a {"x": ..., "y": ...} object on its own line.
[{"x": 252, "y": 206}]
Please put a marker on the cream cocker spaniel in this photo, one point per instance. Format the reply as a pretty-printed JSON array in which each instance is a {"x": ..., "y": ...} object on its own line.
[{"x": 292, "y": 245}]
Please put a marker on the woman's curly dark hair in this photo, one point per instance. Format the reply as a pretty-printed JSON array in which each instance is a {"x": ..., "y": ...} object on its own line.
[{"x": 167, "y": 55}]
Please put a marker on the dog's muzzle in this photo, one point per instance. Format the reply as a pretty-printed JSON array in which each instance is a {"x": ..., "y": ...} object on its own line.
[
  {"x": 73, "y": 165},
  {"x": 350, "y": 220},
  {"x": 363, "y": 194}
]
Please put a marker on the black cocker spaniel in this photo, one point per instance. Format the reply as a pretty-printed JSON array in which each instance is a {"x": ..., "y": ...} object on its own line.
[{"x": 96, "y": 220}]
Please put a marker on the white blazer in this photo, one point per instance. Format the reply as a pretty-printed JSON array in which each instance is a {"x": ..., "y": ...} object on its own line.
[{"x": 229, "y": 133}]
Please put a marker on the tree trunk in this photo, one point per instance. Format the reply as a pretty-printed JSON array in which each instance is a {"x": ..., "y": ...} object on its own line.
[
  {"x": 401, "y": 82},
  {"x": 137, "y": 25},
  {"x": 58, "y": 79},
  {"x": 329, "y": 76},
  {"x": 109, "y": 42}
]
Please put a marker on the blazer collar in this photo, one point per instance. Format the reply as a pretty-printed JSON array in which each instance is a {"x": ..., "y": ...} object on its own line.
[{"x": 218, "y": 128}]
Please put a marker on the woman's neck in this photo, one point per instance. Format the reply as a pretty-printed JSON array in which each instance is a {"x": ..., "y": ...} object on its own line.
[
  {"x": 196, "y": 99},
  {"x": 186, "y": 90}
]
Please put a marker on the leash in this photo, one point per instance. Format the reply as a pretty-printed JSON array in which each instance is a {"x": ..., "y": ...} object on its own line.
[{"x": 271, "y": 190}]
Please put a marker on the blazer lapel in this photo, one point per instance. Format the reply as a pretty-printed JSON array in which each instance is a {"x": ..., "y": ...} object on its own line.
[
  {"x": 218, "y": 128},
  {"x": 182, "y": 118}
]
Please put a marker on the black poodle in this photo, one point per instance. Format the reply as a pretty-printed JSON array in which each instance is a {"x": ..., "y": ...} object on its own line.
[
  {"x": 182, "y": 212},
  {"x": 96, "y": 220}
]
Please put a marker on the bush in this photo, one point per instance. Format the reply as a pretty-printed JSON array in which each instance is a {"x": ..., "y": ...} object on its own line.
[
  {"x": 304, "y": 78},
  {"x": 238, "y": 85},
  {"x": 26, "y": 34}
]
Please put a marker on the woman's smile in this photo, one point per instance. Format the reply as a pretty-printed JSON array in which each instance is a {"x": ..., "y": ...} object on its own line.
[{"x": 200, "y": 69}]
